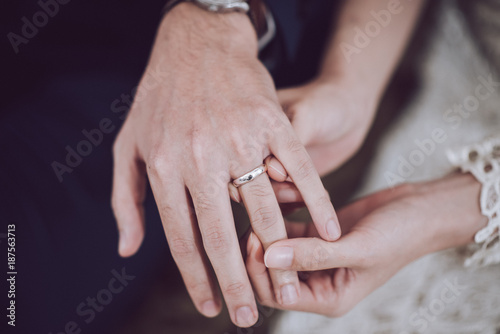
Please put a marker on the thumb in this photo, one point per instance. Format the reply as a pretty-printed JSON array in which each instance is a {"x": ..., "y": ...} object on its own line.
[
  {"x": 310, "y": 254},
  {"x": 129, "y": 189}
]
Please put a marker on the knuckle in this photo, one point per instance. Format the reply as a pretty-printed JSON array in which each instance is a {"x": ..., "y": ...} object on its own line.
[
  {"x": 235, "y": 289},
  {"x": 279, "y": 127},
  {"x": 264, "y": 218},
  {"x": 258, "y": 190},
  {"x": 167, "y": 213},
  {"x": 246, "y": 157},
  {"x": 305, "y": 168},
  {"x": 198, "y": 143},
  {"x": 238, "y": 139},
  {"x": 320, "y": 255},
  {"x": 182, "y": 248},
  {"x": 294, "y": 145},
  {"x": 203, "y": 203},
  {"x": 216, "y": 241},
  {"x": 157, "y": 161}
]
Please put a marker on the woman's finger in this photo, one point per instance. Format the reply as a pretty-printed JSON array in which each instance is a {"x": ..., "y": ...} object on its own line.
[
  {"x": 275, "y": 170},
  {"x": 324, "y": 292},
  {"x": 310, "y": 254},
  {"x": 287, "y": 192}
]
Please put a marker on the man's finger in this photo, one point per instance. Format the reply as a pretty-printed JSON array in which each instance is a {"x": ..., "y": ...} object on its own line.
[
  {"x": 234, "y": 193},
  {"x": 258, "y": 273},
  {"x": 267, "y": 223},
  {"x": 220, "y": 242},
  {"x": 297, "y": 162},
  {"x": 129, "y": 189},
  {"x": 183, "y": 236}
]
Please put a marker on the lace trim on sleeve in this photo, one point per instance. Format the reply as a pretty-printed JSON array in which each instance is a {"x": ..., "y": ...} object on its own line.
[{"x": 483, "y": 161}]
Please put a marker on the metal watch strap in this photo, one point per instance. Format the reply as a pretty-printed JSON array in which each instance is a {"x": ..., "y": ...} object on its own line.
[{"x": 260, "y": 17}]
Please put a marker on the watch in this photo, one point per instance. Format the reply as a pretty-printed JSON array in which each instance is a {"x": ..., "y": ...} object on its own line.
[{"x": 260, "y": 16}]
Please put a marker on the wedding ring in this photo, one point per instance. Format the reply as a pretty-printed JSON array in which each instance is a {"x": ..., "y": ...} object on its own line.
[{"x": 250, "y": 176}]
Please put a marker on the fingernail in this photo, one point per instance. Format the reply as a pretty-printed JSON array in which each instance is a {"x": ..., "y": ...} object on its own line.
[
  {"x": 278, "y": 171},
  {"x": 279, "y": 257},
  {"x": 332, "y": 229},
  {"x": 244, "y": 316},
  {"x": 289, "y": 294},
  {"x": 209, "y": 308}
]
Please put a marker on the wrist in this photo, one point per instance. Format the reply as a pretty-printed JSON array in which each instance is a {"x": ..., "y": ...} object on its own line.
[
  {"x": 362, "y": 85},
  {"x": 457, "y": 216},
  {"x": 366, "y": 102},
  {"x": 187, "y": 25}
]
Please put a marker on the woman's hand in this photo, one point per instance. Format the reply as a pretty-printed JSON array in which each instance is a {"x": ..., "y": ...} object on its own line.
[
  {"x": 333, "y": 113},
  {"x": 382, "y": 233},
  {"x": 330, "y": 119},
  {"x": 212, "y": 117}
]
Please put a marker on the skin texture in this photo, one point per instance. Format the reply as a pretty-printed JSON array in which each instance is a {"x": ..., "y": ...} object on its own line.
[
  {"x": 213, "y": 116},
  {"x": 383, "y": 232}
]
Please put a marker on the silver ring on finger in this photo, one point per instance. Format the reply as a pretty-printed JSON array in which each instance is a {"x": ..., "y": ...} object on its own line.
[{"x": 250, "y": 176}]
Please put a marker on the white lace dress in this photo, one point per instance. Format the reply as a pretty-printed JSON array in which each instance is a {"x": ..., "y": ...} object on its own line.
[{"x": 418, "y": 298}]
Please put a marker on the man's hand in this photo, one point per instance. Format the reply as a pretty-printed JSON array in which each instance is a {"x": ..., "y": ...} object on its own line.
[{"x": 213, "y": 118}]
